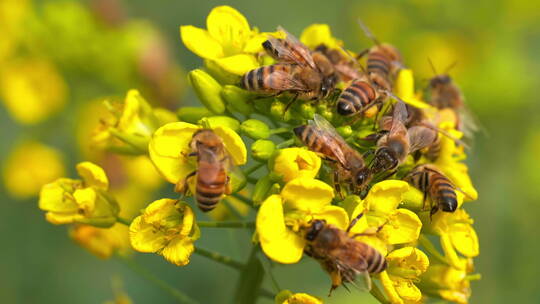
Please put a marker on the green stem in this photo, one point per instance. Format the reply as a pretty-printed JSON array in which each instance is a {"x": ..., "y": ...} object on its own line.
[
  {"x": 226, "y": 224},
  {"x": 234, "y": 212},
  {"x": 285, "y": 144},
  {"x": 279, "y": 131},
  {"x": 243, "y": 199},
  {"x": 268, "y": 269},
  {"x": 123, "y": 221},
  {"x": 377, "y": 294},
  {"x": 251, "y": 278},
  {"x": 267, "y": 294},
  {"x": 252, "y": 180},
  {"x": 430, "y": 248},
  {"x": 253, "y": 169},
  {"x": 217, "y": 257},
  {"x": 150, "y": 277}
]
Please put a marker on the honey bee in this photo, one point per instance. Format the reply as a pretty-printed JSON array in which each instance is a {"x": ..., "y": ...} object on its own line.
[
  {"x": 321, "y": 137},
  {"x": 344, "y": 66},
  {"x": 383, "y": 61},
  {"x": 213, "y": 161},
  {"x": 445, "y": 94},
  {"x": 429, "y": 180},
  {"x": 394, "y": 146},
  {"x": 307, "y": 75},
  {"x": 342, "y": 256},
  {"x": 357, "y": 97}
]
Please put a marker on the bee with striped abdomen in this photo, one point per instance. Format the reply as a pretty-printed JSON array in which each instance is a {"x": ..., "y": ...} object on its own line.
[
  {"x": 359, "y": 95},
  {"x": 306, "y": 75},
  {"x": 341, "y": 255},
  {"x": 429, "y": 180},
  {"x": 383, "y": 61},
  {"x": 321, "y": 137},
  {"x": 394, "y": 146},
  {"x": 213, "y": 162}
]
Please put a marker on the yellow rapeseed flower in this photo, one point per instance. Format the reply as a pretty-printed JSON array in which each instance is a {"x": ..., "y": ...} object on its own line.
[
  {"x": 399, "y": 225},
  {"x": 32, "y": 90},
  {"x": 130, "y": 126},
  {"x": 449, "y": 283},
  {"x": 166, "y": 227},
  {"x": 227, "y": 42},
  {"x": 30, "y": 166},
  {"x": 405, "y": 265},
  {"x": 291, "y": 163},
  {"x": 404, "y": 89},
  {"x": 287, "y": 297},
  {"x": 282, "y": 216},
  {"x": 317, "y": 34},
  {"x": 102, "y": 242},
  {"x": 84, "y": 201},
  {"x": 456, "y": 234},
  {"x": 170, "y": 146}
]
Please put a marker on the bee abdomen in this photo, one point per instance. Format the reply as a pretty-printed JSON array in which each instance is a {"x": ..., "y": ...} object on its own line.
[
  {"x": 444, "y": 193},
  {"x": 375, "y": 262},
  {"x": 355, "y": 97},
  {"x": 208, "y": 195},
  {"x": 378, "y": 63}
]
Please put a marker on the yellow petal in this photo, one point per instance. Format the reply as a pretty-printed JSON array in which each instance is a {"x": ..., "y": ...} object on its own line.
[
  {"x": 137, "y": 116},
  {"x": 254, "y": 44},
  {"x": 302, "y": 298},
  {"x": 144, "y": 237},
  {"x": 307, "y": 194},
  {"x": 292, "y": 163},
  {"x": 334, "y": 215},
  {"x": 229, "y": 27},
  {"x": 178, "y": 251},
  {"x": 56, "y": 196},
  {"x": 361, "y": 225},
  {"x": 385, "y": 196},
  {"x": 63, "y": 218},
  {"x": 168, "y": 149},
  {"x": 86, "y": 199},
  {"x": 464, "y": 239},
  {"x": 200, "y": 42},
  {"x": 93, "y": 175},
  {"x": 233, "y": 144},
  {"x": 403, "y": 227},
  {"x": 407, "y": 290},
  {"x": 237, "y": 64},
  {"x": 408, "y": 258},
  {"x": 389, "y": 289},
  {"x": 277, "y": 241},
  {"x": 317, "y": 34},
  {"x": 404, "y": 88}
]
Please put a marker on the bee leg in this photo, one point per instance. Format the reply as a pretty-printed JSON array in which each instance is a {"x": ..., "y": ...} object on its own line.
[
  {"x": 361, "y": 54},
  {"x": 182, "y": 185},
  {"x": 290, "y": 103},
  {"x": 392, "y": 172},
  {"x": 335, "y": 276},
  {"x": 434, "y": 210},
  {"x": 354, "y": 221},
  {"x": 228, "y": 186},
  {"x": 337, "y": 186}
]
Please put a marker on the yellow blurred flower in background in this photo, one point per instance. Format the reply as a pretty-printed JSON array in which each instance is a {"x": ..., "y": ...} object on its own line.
[
  {"x": 29, "y": 166},
  {"x": 287, "y": 297},
  {"x": 102, "y": 242},
  {"x": 166, "y": 227},
  {"x": 32, "y": 90}
]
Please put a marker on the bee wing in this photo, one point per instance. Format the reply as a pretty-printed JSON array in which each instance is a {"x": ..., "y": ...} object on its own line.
[
  {"x": 327, "y": 131},
  {"x": 295, "y": 52},
  {"x": 283, "y": 81},
  {"x": 420, "y": 137},
  {"x": 399, "y": 116}
]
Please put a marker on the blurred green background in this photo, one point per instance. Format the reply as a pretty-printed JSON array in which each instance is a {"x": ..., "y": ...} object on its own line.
[{"x": 97, "y": 54}]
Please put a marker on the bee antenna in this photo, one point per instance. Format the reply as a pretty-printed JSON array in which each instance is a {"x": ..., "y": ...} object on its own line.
[
  {"x": 367, "y": 32},
  {"x": 432, "y": 66},
  {"x": 451, "y": 66}
]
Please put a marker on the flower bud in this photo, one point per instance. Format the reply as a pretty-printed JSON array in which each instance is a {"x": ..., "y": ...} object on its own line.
[
  {"x": 262, "y": 149},
  {"x": 193, "y": 114},
  {"x": 219, "y": 73},
  {"x": 207, "y": 90},
  {"x": 345, "y": 131},
  {"x": 255, "y": 129},
  {"x": 237, "y": 100},
  {"x": 261, "y": 189},
  {"x": 220, "y": 121},
  {"x": 277, "y": 110},
  {"x": 307, "y": 110}
]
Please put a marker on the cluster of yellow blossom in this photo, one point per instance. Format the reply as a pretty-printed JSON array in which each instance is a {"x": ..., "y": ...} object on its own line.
[{"x": 289, "y": 186}]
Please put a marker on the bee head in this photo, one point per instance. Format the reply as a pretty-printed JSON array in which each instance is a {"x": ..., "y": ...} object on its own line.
[
  {"x": 362, "y": 177},
  {"x": 440, "y": 80},
  {"x": 314, "y": 229},
  {"x": 385, "y": 159},
  {"x": 327, "y": 86}
]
